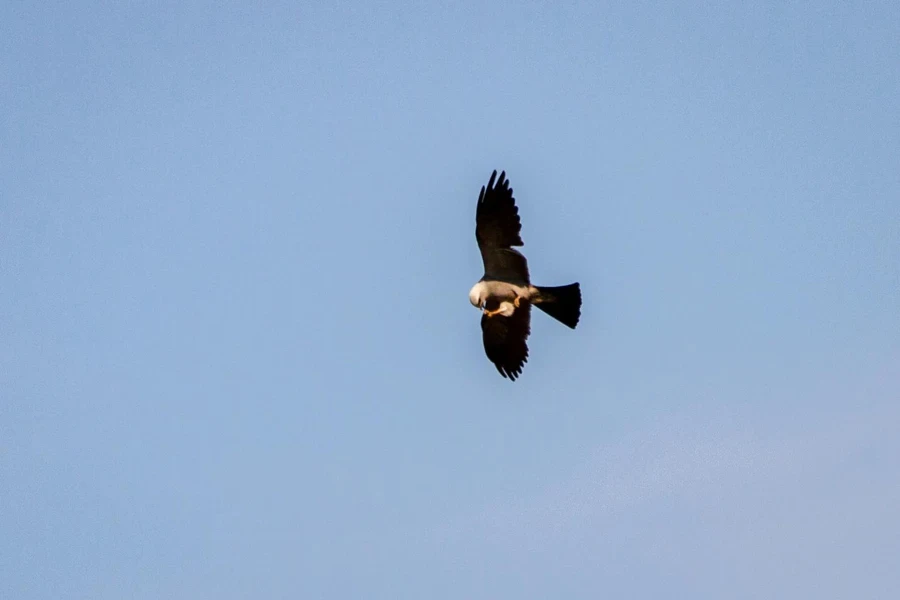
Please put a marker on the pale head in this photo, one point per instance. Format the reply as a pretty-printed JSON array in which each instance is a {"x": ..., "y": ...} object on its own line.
[{"x": 478, "y": 295}]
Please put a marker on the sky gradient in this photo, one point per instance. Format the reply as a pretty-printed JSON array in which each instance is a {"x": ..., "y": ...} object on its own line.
[{"x": 237, "y": 359}]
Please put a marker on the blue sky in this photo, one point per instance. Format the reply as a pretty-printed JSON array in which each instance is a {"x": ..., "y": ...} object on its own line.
[{"x": 238, "y": 359}]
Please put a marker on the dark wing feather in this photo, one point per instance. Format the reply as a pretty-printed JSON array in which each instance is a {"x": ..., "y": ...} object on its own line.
[
  {"x": 505, "y": 340},
  {"x": 497, "y": 229}
]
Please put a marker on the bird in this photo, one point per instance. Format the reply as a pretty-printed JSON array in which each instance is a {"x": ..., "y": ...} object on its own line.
[{"x": 505, "y": 293}]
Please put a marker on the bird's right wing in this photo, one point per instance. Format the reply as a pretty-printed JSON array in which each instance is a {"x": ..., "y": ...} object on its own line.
[
  {"x": 497, "y": 230},
  {"x": 505, "y": 340}
]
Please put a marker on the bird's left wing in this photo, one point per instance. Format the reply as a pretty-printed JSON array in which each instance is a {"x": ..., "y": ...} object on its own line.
[
  {"x": 505, "y": 340},
  {"x": 497, "y": 229}
]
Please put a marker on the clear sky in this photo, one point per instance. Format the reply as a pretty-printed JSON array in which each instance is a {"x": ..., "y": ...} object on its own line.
[{"x": 237, "y": 359}]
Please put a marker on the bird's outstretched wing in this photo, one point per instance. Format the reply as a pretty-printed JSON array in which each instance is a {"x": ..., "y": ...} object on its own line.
[
  {"x": 505, "y": 340},
  {"x": 497, "y": 230}
]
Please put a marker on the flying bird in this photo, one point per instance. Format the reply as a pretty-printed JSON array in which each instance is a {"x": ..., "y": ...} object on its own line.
[{"x": 505, "y": 293}]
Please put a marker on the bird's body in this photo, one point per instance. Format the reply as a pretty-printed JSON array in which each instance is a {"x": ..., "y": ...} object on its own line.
[
  {"x": 505, "y": 293},
  {"x": 501, "y": 295}
]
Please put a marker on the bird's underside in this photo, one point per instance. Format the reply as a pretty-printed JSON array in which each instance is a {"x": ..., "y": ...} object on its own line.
[
  {"x": 505, "y": 293},
  {"x": 505, "y": 296}
]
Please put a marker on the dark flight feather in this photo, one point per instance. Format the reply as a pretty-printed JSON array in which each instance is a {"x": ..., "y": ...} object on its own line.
[
  {"x": 498, "y": 229},
  {"x": 505, "y": 340}
]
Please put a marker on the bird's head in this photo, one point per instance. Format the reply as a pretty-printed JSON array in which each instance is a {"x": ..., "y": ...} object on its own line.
[{"x": 477, "y": 295}]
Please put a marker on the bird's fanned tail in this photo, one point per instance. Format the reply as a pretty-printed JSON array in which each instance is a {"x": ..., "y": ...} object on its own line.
[{"x": 563, "y": 303}]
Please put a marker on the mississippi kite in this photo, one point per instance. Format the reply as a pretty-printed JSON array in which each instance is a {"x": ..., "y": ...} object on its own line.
[{"x": 505, "y": 293}]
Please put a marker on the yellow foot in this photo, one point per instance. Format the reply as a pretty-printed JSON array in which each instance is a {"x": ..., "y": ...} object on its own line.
[
  {"x": 491, "y": 313},
  {"x": 516, "y": 301}
]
